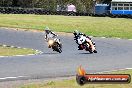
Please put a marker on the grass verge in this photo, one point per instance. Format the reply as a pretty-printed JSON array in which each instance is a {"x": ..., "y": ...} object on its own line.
[
  {"x": 7, "y": 51},
  {"x": 71, "y": 83},
  {"x": 95, "y": 26}
]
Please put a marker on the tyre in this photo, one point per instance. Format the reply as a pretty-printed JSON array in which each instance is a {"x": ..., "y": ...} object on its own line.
[
  {"x": 95, "y": 51},
  {"x": 57, "y": 48},
  {"x": 90, "y": 51}
]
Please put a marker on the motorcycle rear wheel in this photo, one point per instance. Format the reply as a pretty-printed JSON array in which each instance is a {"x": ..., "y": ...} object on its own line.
[{"x": 95, "y": 51}]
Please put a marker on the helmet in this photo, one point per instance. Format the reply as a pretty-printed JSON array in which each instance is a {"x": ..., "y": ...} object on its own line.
[
  {"x": 76, "y": 32},
  {"x": 47, "y": 30}
]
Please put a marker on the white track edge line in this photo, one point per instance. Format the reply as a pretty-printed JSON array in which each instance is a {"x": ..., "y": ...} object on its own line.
[
  {"x": 4, "y": 78},
  {"x": 114, "y": 70}
]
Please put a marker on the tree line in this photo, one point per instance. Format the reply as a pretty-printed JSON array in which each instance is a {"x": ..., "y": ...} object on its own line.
[{"x": 82, "y": 5}]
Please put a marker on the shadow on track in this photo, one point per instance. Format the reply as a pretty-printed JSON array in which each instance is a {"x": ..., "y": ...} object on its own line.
[
  {"x": 51, "y": 53},
  {"x": 86, "y": 53}
]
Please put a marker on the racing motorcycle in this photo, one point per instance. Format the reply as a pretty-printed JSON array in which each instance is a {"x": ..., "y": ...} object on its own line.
[
  {"x": 85, "y": 45},
  {"x": 55, "y": 45}
]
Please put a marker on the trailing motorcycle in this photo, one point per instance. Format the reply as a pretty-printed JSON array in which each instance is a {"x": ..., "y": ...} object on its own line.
[
  {"x": 53, "y": 41},
  {"x": 55, "y": 45}
]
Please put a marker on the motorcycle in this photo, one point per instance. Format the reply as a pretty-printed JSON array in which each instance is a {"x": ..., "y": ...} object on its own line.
[
  {"x": 55, "y": 45},
  {"x": 85, "y": 45}
]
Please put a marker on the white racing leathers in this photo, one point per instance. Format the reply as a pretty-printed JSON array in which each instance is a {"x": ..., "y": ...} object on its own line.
[{"x": 50, "y": 36}]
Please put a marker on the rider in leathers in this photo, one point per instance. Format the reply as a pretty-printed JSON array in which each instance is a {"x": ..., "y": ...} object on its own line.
[
  {"x": 81, "y": 38},
  {"x": 51, "y": 35}
]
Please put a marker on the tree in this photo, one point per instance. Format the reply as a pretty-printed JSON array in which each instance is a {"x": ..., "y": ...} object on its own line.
[
  {"x": 5, "y": 3},
  {"x": 81, "y": 5},
  {"x": 88, "y": 5},
  {"x": 25, "y": 3},
  {"x": 15, "y": 3}
]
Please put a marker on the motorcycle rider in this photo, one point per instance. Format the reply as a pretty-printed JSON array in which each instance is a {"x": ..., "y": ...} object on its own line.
[
  {"x": 51, "y": 35},
  {"x": 81, "y": 38}
]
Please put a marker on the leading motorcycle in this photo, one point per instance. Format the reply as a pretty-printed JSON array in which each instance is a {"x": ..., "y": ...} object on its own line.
[{"x": 85, "y": 45}]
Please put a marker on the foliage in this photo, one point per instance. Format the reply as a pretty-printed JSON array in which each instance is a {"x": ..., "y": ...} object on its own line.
[{"x": 82, "y": 5}]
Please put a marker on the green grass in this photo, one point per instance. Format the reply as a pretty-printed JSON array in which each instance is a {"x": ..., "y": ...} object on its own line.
[
  {"x": 95, "y": 26},
  {"x": 72, "y": 83},
  {"x": 7, "y": 51}
]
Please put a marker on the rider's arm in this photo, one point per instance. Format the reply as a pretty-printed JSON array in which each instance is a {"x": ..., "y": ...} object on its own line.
[
  {"x": 54, "y": 34},
  {"x": 46, "y": 37}
]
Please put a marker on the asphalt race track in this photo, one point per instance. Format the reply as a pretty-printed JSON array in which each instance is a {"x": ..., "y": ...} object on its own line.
[{"x": 112, "y": 54}]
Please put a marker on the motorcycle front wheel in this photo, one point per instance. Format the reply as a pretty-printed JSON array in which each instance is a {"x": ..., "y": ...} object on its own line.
[{"x": 57, "y": 48}]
